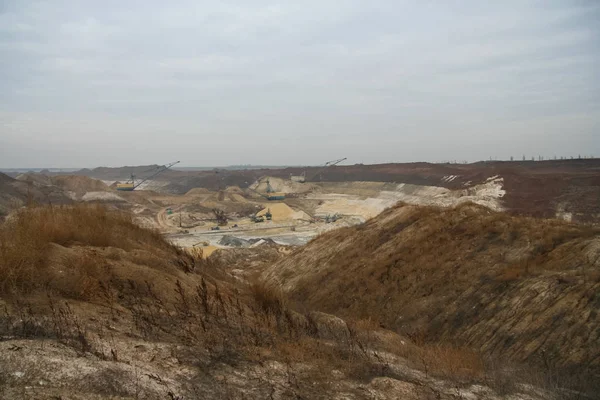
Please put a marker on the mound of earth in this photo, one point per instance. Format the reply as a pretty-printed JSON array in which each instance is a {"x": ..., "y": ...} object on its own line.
[
  {"x": 368, "y": 199},
  {"x": 520, "y": 288},
  {"x": 16, "y": 193},
  {"x": 283, "y": 212},
  {"x": 5, "y": 178},
  {"x": 282, "y": 186},
  {"x": 79, "y": 184},
  {"x": 197, "y": 191},
  {"x": 234, "y": 189},
  {"x": 233, "y": 195},
  {"x": 236, "y": 198},
  {"x": 262, "y": 242},
  {"x": 102, "y": 196},
  {"x": 118, "y": 173},
  {"x": 32, "y": 177},
  {"x": 233, "y": 241}
]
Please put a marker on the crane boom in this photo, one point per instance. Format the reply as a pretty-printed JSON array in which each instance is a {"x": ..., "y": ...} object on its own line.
[
  {"x": 327, "y": 164},
  {"x": 335, "y": 162},
  {"x": 259, "y": 193},
  {"x": 132, "y": 185},
  {"x": 160, "y": 169}
]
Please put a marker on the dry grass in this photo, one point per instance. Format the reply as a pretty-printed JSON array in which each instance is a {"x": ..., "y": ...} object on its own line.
[
  {"x": 269, "y": 298},
  {"x": 29, "y": 237},
  {"x": 211, "y": 321},
  {"x": 453, "y": 362},
  {"x": 507, "y": 286}
]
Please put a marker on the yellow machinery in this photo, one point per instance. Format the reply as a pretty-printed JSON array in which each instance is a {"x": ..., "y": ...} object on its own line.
[
  {"x": 125, "y": 186},
  {"x": 271, "y": 194},
  {"x": 132, "y": 184}
]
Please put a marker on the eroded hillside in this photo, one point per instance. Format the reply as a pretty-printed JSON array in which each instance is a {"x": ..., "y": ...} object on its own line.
[
  {"x": 517, "y": 288},
  {"x": 97, "y": 307},
  {"x": 15, "y": 193}
]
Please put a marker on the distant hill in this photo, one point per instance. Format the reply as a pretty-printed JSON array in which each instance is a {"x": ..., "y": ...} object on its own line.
[
  {"x": 567, "y": 189},
  {"x": 16, "y": 193}
]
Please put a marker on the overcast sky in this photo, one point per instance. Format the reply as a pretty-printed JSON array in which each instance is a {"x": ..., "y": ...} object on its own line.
[{"x": 90, "y": 83}]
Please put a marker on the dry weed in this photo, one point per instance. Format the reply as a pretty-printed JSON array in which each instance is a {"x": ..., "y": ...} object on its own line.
[
  {"x": 269, "y": 298},
  {"x": 26, "y": 241}
]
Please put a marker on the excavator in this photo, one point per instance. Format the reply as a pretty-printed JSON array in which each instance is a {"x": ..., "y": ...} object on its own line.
[
  {"x": 220, "y": 216},
  {"x": 132, "y": 184},
  {"x": 270, "y": 194},
  {"x": 324, "y": 167},
  {"x": 256, "y": 218},
  {"x": 302, "y": 177}
]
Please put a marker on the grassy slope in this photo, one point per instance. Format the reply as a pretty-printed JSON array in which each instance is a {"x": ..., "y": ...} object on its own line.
[
  {"x": 97, "y": 307},
  {"x": 520, "y": 288},
  {"x": 34, "y": 246}
]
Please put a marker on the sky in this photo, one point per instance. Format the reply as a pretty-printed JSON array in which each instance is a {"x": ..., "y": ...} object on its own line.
[{"x": 86, "y": 83}]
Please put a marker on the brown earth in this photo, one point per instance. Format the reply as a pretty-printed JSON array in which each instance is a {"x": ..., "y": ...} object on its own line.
[
  {"x": 95, "y": 307},
  {"x": 79, "y": 184},
  {"x": 523, "y": 289}
]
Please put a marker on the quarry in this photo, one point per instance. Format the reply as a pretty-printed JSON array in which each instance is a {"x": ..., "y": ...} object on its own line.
[
  {"x": 408, "y": 281},
  {"x": 298, "y": 200}
]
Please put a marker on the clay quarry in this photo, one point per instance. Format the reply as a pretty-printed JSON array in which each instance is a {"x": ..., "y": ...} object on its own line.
[{"x": 403, "y": 281}]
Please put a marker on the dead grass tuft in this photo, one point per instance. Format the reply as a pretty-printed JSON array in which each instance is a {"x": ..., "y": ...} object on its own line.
[
  {"x": 29, "y": 238},
  {"x": 269, "y": 298}
]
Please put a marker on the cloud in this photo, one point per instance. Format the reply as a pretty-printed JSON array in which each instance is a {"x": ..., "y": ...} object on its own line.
[{"x": 352, "y": 76}]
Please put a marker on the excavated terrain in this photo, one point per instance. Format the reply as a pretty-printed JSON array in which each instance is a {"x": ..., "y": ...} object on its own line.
[
  {"x": 522, "y": 289},
  {"x": 441, "y": 296},
  {"x": 568, "y": 189},
  {"x": 96, "y": 307}
]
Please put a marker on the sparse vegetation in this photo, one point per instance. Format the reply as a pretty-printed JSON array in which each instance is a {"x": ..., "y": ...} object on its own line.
[
  {"x": 465, "y": 276},
  {"x": 142, "y": 307},
  {"x": 32, "y": 242}
]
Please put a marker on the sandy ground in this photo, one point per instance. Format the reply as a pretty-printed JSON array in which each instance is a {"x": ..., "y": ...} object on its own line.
[
  {"x": 286, "y": 234},
  {"x": 282, "y": 185},
  {"x": 354, "y": 202},
  {"x": 102, "y": 196},
  {"x": 488, "y": 194},
  {"x": 296, "y": 220},
  {"x": 282, "y": 212}
]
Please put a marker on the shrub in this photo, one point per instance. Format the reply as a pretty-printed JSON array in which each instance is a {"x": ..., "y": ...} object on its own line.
[{"x": 268, "y": 298}]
